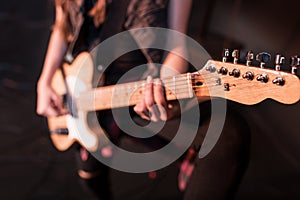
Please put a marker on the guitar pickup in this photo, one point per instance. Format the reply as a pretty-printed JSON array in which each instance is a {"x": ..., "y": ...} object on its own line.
[
  {"x": 60, "y": 131},
  {"x": 65, "y": 102}
]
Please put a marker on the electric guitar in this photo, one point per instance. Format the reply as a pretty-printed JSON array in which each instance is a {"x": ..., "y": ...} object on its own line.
[{"x": 236, "y": 82}]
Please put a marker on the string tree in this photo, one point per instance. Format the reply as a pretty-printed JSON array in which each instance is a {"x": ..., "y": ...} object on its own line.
[{"x": 211, "y": 68}]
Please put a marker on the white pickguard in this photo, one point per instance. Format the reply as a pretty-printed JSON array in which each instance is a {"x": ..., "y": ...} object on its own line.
[{"x": 77, "y": 126}]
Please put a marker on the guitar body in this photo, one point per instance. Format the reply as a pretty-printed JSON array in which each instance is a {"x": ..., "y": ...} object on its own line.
[{"x": 70, "y": 128}]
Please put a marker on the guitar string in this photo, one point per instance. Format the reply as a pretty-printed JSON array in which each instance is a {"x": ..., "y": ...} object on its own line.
[
  {"x": 135, "y": 97},
  {"x": 178, "y": 85},
  {"x": 208, "y": 86},
  {"x": 178, "y": 79},
  {"x": 178, "y": 89},
  {"x": 182, "y": 78}
]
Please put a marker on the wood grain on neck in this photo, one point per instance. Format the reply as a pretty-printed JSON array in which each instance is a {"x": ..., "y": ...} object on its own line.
[{"x": 129, "y": 94}]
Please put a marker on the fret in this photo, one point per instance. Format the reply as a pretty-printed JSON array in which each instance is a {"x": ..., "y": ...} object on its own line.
[
  {"x": 135, "y": 86},
  {"x": 128, "y": 94},
  {"x": 189, "y": 85},
  {"x": 174, "y": 85}
]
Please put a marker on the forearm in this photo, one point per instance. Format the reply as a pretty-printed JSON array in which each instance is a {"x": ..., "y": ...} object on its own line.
[
  {"x": 179, "y": 13},
  {"x": 56, "y": 49},
  {"x": 48, "y": 102},
  {"x": 173, "y": 65},
  {"x": 175, "y": 62},
  {"x": 54, "y": 57}
]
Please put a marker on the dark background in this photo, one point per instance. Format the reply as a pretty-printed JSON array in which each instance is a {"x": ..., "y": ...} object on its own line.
[{"x": 31, "y": 168}]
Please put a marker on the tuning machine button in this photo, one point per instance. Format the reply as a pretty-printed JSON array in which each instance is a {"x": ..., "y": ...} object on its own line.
[
  {"x": 223, "y": 71},
  {"x": 279, "y": 61},
  {"x": 225, "y": 55},
  {"x": 235, "y": 73},
  {"x": 249, "y": 57},
  {"x": 294, "y": 63},
  {"x": 263, "y": 78},
  {"x": 279, "y": 81},
  {"x": 248, "y": 75},
  {"x": 236, "y": 55},
  {"x": 263, "y": 58}
]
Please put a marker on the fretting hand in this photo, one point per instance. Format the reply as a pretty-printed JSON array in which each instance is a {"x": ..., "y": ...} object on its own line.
[{"x": 154, "y": 105}]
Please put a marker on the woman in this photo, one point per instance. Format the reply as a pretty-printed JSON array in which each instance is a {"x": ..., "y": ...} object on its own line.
[{"x": 79, "y": 26}]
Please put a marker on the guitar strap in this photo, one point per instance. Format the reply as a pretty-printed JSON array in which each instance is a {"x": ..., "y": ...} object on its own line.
[
  {"x": 116, "y": 16},
  {"x": 113, "y": 24}
]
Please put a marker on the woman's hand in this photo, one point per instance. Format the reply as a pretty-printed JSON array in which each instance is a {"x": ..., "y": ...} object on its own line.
[
  {"x": 154, "y": 105},
  {"x": 49, "y": 104}
]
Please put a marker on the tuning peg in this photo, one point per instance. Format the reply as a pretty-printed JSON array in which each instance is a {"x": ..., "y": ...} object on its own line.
[
  {"x": 249, "y": 57},
  {"x": 263, "y": 58},
  {"x": 279, "y": 61},
  {"x": 263, "y": 78},
  {"x": 236, "y": 55},
  {"x": 294, "y": 63},
  {"x": 279, "y": 81},
  {"x": 225, "y": 55},
  {"x": 235, "y": 73},
  {"x": 249, "y": 75},
  {"x": 222, "y": 70}
]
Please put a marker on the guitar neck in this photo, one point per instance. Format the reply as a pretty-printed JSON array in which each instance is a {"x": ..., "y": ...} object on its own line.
[
  {"x": 239, "y": 83},
  {"x": 129, "y": 94}
]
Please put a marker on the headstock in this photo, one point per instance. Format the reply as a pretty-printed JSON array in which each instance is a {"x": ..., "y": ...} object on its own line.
[{"x": 248, "y": 84}]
